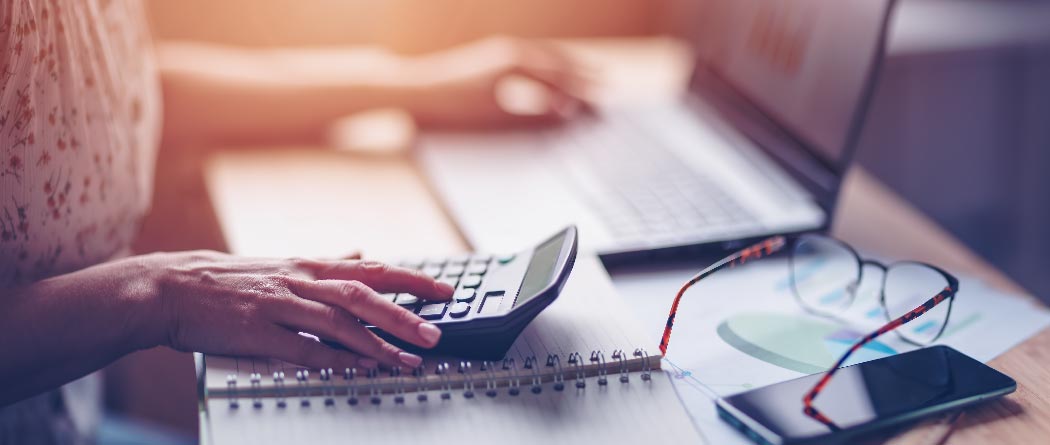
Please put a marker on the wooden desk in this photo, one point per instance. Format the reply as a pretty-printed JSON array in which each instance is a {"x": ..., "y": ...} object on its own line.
[{"x": 304, "y": 202}]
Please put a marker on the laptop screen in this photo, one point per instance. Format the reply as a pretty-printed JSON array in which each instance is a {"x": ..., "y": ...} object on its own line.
[{"x": 803, "y": 63}]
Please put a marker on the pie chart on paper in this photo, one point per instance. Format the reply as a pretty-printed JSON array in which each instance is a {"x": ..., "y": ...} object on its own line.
[{"x": 795, "y": 342}]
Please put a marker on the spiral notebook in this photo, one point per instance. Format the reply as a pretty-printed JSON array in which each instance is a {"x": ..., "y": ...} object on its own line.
[{"x": 583, "y": 359}]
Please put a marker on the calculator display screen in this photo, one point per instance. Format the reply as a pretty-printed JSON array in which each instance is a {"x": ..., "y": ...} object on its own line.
[{"x": 544, "y": 260}]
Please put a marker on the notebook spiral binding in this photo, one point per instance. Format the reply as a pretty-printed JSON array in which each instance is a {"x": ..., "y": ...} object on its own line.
[{"x": 490, "y": 377}]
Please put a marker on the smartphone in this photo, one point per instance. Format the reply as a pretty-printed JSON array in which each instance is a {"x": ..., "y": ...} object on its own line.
[{"x": 865, "y": 397}]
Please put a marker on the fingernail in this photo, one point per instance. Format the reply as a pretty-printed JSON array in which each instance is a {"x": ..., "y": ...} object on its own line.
[
  {"x": 445, "y": 288},
  {"x": 410, "y": 360},
  {"x": 429, "y": 332},
  {"x": 368, "y": 363}
]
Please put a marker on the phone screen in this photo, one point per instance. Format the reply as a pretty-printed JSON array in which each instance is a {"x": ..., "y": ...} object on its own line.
[{"x": 860, "y": 394}]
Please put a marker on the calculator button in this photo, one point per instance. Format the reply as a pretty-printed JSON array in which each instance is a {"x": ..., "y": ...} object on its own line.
[
  {"x": 432, "y": 311},
  {"x": 406, "y": 299},
  {"x": 477, "y": 268},
  {"x": 491, "y": 303},
  {"x": 481, "y": 258},
  {"x": 388, "y": 297},
  {"x": 454, "y": 270},
  {"x": 506, "y": 259},
  {"x": 450, "y": 280},
  {"x": 465, "y": 295},
  {"x": 458, "y": 310},
  {"x": 432, "y": 271},
  {"x": 471, "y": 282},
  {"x": 436, "y": 262},
  {"x": 411, "y": 264}
]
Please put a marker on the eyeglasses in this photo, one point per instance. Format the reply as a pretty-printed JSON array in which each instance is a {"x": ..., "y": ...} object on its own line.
[{"x": 825, "y": 275}]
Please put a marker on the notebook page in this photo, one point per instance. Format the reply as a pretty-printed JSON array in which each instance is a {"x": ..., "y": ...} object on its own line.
[
  {"x": 621, "y": 413},
  {"x": 588, "y": 316}
]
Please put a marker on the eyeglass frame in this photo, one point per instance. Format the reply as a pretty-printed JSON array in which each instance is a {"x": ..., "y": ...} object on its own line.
[{"x": 776, "y": 244}]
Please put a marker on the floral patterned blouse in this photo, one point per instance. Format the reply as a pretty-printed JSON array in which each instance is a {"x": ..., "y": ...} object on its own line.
[{"x": 79, "y": 129}]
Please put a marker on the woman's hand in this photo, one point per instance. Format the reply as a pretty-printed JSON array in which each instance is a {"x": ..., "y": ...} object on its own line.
[
  {"x": 473, "y": 85},
  {"x": 222, "y": 304},
  {"x": 295, "y": 94}
]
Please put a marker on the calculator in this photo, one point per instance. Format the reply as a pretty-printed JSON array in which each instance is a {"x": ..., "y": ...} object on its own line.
[{"x": 496, "y": 296}]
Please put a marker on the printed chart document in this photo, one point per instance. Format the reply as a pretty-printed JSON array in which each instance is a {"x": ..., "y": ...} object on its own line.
[{"x": 742, "y": 328}]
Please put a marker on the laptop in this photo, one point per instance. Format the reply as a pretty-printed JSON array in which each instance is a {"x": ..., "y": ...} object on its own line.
[{"x": 757, "y": 145}]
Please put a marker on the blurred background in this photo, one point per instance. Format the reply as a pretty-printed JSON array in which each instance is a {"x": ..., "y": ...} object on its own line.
[{"x": 958, "y": 124}]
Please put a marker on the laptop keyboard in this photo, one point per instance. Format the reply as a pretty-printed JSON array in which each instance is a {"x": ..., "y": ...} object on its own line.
[{"x": 648, "y": 192}]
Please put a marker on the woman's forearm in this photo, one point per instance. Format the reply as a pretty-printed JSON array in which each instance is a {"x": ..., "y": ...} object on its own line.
[
  {"x": 59, "y": 329},
  {"x": 225, "y": 95}
]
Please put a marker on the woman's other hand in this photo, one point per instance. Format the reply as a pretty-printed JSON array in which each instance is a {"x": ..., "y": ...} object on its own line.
[
  {"x": 496, "y": 82},
  {"x": 221, "y": 304}
]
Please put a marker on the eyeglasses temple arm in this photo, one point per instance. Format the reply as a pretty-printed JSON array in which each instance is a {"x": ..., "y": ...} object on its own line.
[
  {"x": 807, "y": 400},
  {"x": 761, "y": 249}
]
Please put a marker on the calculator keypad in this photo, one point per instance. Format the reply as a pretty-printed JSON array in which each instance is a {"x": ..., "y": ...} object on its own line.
[{"x": 465, "y": 273}]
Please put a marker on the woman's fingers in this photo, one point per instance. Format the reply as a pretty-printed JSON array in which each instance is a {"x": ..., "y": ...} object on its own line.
[
  {"x": 382, "y": 277},
  {"x": 550, "y": 66},
  {"x": 336, "y": 324},
  {"x": 357, "y": 299},
  {"x": 562, "y": 86},
  {"x": 291, "y": 347},
  {"x": 560, "y": 102}
]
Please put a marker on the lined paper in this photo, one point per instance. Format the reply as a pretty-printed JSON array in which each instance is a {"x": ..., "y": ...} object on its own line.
[{"x": 633, "y": 413}]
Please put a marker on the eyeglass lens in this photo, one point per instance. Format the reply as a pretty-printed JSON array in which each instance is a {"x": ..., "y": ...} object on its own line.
[
  {"x": 906, "y": 286},
  {"x": 825, "y": 275}
]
